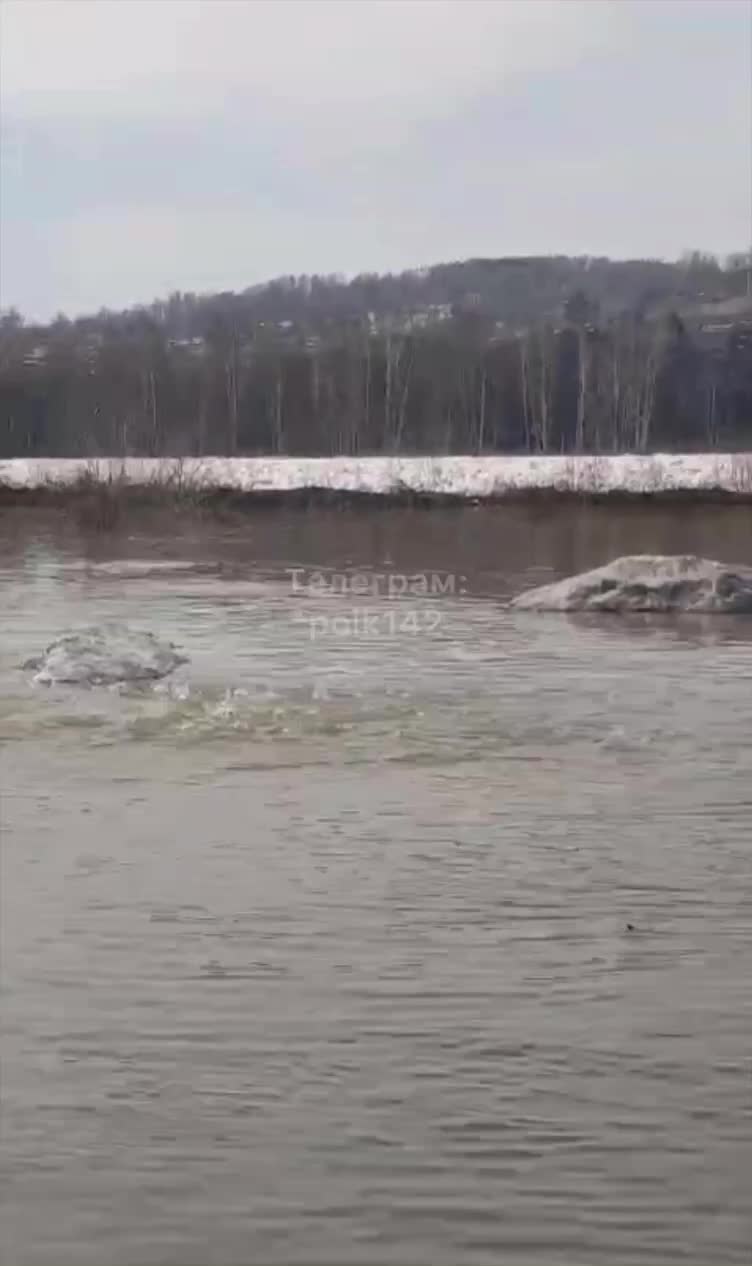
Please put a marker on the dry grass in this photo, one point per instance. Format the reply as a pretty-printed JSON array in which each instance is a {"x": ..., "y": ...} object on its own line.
[
  {"x": 99, "y": 497},
  {"x": 740, "y": 478},
  {"x": 587, "y": 476}
]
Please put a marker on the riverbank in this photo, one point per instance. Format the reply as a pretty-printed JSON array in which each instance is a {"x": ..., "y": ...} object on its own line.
[
  {"x": 455, "y": 476},
  {"x": 101, "y": 493}
]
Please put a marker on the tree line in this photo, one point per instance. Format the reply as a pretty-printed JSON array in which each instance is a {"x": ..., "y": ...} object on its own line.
[{"x": 586, "y": 356}]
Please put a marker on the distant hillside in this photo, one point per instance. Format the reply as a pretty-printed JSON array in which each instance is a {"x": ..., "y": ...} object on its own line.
[{"x": 515, "y": 291}]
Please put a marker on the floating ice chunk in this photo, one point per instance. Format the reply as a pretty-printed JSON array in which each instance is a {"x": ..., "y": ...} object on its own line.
[
  {"x": 104, "y": 654},
  {"x": 648, "y": 582}
]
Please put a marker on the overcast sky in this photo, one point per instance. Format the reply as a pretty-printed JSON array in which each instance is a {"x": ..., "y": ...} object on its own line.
[{"x": 155, "y": 145}]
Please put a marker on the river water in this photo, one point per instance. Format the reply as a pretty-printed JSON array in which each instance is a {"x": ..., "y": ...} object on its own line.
[{"x": 318, "y": 951}]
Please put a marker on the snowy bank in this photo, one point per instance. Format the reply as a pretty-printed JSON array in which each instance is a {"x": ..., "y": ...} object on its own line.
[
  {"x": 648, "y": 582},
  {"x": 473, "y": 477}
]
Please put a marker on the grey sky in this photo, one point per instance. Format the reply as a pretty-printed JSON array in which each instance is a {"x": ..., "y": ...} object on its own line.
[{"x": 153, "y": 145}]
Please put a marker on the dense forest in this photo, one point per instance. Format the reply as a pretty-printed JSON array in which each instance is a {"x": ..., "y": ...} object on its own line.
[{"x": 499, "y": 355}]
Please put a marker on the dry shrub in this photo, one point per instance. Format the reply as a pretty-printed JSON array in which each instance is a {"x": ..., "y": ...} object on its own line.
[{"x": 97, "y": 500}]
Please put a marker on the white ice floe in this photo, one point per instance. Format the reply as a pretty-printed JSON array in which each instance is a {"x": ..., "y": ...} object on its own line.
[
  {"x": 455, "y": 476},
  {"x": 648, "y": 582},
  {"x": 103, "y": 655}
]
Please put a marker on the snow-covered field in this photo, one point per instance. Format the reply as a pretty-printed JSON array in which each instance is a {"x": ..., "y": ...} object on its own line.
[{"x": 454, "y": 476}]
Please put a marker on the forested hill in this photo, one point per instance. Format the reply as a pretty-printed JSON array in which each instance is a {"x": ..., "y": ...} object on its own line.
[{"x": 522, "y": 354}]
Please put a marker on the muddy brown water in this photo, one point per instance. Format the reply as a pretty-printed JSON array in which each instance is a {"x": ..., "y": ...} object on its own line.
[{"x": 318, "y": 951}]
